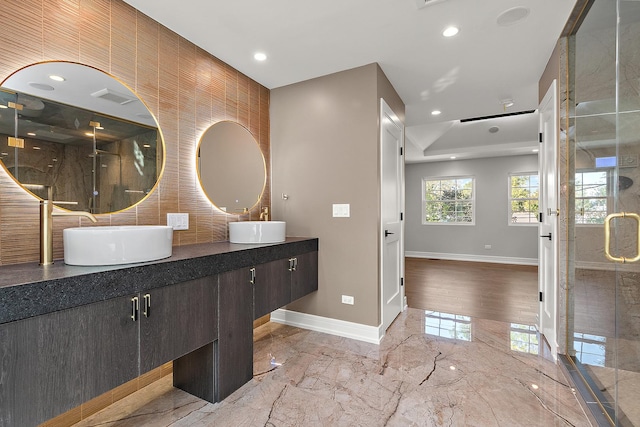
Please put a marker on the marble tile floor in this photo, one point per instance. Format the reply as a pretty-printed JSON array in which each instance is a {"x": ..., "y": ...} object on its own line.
[{"x": 462, "y": 373}]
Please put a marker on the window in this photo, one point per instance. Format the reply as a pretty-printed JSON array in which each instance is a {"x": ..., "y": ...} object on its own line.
[
  {"x": 592, "y": 190},
  {"x": 447, "y": 325},
  {"x": 448, "y": 200},
  {"x": 524, "y": 190},
  {"x": 524, "y": 338}
]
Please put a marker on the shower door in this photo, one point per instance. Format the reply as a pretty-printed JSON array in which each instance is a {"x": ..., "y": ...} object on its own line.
[{"x": 604, "y": 336}]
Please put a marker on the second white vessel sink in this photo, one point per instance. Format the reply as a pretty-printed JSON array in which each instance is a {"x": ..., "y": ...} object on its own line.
[
  {"x": 253, "y": 232},
  {"x": 112, "y": 245}
]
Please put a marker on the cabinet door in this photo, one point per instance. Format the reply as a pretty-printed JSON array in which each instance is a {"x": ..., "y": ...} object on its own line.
[
  {"x": 235, "y": 341},
  {"x": 304, "y": 279},
  {"x": 272, "y": 287},
  {"x": 55, "y": 362},
  {"x": 177, "y": 319}
]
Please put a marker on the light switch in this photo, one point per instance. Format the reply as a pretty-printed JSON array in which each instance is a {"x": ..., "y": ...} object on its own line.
[
  {"x": 179, "y": 221},
  {"x": 341, "y": 210}
]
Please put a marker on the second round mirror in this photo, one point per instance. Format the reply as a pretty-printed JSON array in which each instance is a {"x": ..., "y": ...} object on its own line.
[{"x": 231, "y": 167}]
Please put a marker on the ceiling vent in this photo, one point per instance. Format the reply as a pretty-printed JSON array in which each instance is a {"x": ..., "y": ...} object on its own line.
[
  {"x": 496, "y": 116},
  {"x": 424, "y": 3},
  {"x": 112, "y": 96}
]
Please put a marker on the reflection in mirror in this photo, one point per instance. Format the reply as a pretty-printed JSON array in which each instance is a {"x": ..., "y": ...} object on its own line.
[
  {"x": 79, "y": 131},
  {"x": 231, "y": 167}
]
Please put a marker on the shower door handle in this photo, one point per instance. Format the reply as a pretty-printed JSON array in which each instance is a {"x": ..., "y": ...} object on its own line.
[{"x": 607, "y": 237}]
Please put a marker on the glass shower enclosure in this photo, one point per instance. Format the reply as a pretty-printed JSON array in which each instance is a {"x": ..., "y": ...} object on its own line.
[{"x": 603, "y": 305}]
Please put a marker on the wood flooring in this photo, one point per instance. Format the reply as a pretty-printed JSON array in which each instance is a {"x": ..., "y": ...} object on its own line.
[{"x": 503, "y": 292}]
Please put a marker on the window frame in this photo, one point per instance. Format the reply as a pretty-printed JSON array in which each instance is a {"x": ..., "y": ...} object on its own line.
[
  {"x": 423, "y": 213},
  {"x": 510, "y": 199},
  {"x": 608, "y": 197}
]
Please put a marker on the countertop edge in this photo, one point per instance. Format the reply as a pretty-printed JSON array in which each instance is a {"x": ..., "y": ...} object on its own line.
[{"x": 28, "y": 290}]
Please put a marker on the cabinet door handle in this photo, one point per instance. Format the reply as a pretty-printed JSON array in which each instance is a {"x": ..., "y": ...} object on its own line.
[
  {"x": 252, "y": 276},
  {"x": 291, "y": 267},
  {"x": 135, "y": 306},
  {"x": 147, "y": 305},
  {"x": 295, "y": 264}
]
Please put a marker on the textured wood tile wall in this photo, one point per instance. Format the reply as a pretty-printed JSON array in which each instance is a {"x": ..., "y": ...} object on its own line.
[{"x": 185, "y": 88}]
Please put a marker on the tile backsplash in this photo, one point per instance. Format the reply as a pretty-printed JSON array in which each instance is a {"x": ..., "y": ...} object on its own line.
[{"x": 186, "y": 88}]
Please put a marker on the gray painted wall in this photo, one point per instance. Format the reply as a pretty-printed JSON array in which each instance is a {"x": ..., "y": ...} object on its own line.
[
  {"x": 324, "y": 150},
  {"x": 491, "y": 227}
]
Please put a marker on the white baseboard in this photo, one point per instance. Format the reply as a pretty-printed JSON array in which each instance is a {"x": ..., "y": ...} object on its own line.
[
  {"x": 473, "y": 258},
  {"x": 341, "y": 328}
]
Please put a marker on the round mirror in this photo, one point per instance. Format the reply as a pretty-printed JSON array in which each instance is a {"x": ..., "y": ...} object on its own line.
[
  {"x": 80, "y": 132},
  {"x": 231, "y": 167}
]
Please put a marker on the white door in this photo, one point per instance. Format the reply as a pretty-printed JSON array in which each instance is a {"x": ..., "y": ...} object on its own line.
[
  {"x": 548, "y": 227},
  {"x": 391, "y": 207}
]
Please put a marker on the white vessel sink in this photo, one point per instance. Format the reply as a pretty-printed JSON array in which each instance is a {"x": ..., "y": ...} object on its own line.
[
  {"x": 257, "y": 232},
  {"x": 113, "y": 245}
]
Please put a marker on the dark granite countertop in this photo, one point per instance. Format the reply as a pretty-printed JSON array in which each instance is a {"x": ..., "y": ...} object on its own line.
[{"x": 28, "y": 290}]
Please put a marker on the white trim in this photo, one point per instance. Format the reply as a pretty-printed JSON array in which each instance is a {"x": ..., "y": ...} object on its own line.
[
  {"x": 473, "y": 258},
  {"x": 341, "y": 328}
]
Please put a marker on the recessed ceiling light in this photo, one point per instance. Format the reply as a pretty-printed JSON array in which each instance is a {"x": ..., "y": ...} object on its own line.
[
  {"x": 57, "y": 78},
  {"x": 535, "y": 150},
  {"x": 436, "y": 112},
  {"x": 259, "y": 56},
  {"x": 450, "y": 31},
  {"x": 452, "y": 157}
]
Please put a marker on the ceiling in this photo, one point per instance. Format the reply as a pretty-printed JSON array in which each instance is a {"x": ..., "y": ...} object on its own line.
[{"x": 465, "y": 76}]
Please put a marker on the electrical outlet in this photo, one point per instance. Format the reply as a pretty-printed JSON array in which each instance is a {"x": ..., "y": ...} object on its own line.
[
  {"x": 487, "y": 246},
  {"x": 179, "y": 221},
  {"x": 347, "y": 299}
]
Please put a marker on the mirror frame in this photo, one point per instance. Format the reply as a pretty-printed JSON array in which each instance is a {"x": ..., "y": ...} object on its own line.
[
  {"x": 209, "y": 197},
  {"x": 160, "y": 137}
]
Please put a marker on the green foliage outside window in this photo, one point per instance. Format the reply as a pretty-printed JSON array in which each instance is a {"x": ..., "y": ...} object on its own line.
[
  {"x": 591, "y": 196},
  {"x": 524, "y": 198},
  {"x": 449, "y": 200}
]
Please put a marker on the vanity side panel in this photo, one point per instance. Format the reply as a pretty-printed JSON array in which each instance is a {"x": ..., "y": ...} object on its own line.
[{"x": 235, "y": 342}]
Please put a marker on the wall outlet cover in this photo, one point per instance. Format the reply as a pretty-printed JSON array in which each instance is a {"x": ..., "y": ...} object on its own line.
[
  {"x": 347, "y": 299},
  {"x": 341, "y": 210},
  {"x": 179, "y": 221}
]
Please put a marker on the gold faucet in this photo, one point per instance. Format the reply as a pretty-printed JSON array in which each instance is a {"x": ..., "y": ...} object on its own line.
[
  {"x": 46, "y": 225},
  {"x": 264, "y": 215}
]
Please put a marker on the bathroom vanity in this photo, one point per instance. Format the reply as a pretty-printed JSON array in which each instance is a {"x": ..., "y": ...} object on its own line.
[{"x": 69, "y": 334}]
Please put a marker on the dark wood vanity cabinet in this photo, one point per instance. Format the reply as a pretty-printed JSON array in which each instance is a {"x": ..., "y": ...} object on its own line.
[
  {"x": 55, "y": 362},
  {"x": 304, "y": 276},
  {"x": 177, "y": 319},
  {"x": 235, "y": 333},
  {"x": 278, "y": 283},
  {"x": 271, "y": 286}
]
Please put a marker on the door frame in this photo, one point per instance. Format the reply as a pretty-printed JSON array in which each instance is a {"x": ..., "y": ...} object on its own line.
[{"x": 387, "y": 112}]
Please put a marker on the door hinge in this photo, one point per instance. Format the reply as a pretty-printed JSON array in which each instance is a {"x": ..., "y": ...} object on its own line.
[
  {"x": 401, "y": 151},
  {"x": 540, "y": 137},
  {"x": 402, "y": 281},
  {"x": 540, "y": 217},
  {"x": 540, "y": 297},
  {"x": 401, "y": 216}
]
